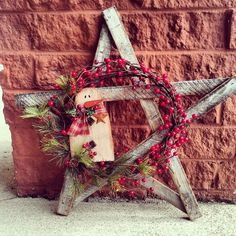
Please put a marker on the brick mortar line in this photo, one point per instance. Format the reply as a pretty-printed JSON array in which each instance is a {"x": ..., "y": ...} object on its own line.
[
  {"x": 124, "y": 11},
  {"x": 145, "y": 53}
]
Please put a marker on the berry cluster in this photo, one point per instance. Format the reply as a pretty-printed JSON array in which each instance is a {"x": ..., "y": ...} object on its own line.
[{"x": 173, "y": 119}]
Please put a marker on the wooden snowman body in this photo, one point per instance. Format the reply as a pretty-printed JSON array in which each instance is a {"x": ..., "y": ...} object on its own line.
[{"x": 99, "y": 131}]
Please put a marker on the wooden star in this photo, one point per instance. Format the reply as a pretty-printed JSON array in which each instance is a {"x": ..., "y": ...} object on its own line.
[
  {"x": 213, "y": 91},
  {"x": 100, "y": 117}
]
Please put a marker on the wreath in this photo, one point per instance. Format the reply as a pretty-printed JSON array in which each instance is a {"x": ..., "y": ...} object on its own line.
[{"x": 58, "y": 118}]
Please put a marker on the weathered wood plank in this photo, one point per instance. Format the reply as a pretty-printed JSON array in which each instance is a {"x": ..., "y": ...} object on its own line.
[
  {"x": 67, "y": 196},
  {"x": 124, "y": 46},
  {"x": 215, "y": 97},
  {"x": 186, "y": 193},
  {"x": 122, "y": 42},
  {"x": 118, "y": 33},
  {"x": 192, "y": 87},
  {"x": 104, "y": 45},
  {"x": 163, "y": 192},
  {"x": 208, "y": 102}
]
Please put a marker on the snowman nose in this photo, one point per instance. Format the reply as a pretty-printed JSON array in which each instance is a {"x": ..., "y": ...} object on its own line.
[{"x": 92, "y": 103}]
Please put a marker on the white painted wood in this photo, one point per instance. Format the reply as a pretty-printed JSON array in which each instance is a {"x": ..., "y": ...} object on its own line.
[{"x": 100, "y": 132}]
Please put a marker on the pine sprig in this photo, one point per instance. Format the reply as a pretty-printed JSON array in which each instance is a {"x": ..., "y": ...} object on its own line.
[
  {"x": 83, "y": 157},
  {"x": 63, "y": 82},
  {"x": 35, "y": 112},
  {"x": 146, "y": 169}
]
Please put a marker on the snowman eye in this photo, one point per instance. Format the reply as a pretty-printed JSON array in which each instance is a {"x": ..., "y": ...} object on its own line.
[
  {"x": 89, "y": 96},
  {"x": 85, "y": 96}
]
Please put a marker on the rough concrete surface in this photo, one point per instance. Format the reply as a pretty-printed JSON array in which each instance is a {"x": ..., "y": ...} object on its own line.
[{"x": 35, "y": 216}]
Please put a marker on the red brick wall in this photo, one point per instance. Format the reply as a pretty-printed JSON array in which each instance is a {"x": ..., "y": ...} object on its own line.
[{"x": 189, "y": 39}]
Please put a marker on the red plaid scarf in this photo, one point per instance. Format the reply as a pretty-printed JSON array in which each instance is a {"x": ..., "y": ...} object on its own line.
[{"x": 80, "y": 124}]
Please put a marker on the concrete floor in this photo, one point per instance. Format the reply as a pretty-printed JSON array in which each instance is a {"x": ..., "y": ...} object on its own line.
[{"x": 35, "y": 216}]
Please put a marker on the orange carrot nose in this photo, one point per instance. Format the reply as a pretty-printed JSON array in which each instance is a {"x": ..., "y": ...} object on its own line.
[{"x": 92, "y": 103}]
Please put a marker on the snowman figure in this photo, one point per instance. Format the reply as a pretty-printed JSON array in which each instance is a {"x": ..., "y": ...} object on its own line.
[{"x": 92, "y": 124}]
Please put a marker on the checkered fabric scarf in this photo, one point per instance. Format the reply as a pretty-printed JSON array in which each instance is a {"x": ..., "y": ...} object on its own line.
[{"x": 80, "y": 125}]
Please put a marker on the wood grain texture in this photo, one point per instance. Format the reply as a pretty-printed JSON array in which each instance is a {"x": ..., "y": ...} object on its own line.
[
  {"x": 123, "y": 44},
  {"x": 104, "y": 45},
  {"x": 150, "y": 108},
  {"x": 67, "y": 196},
  {"x": 216, "y": 96},
  {"x": 163, "y": 192},
  {"x": 192, "y": 87}
]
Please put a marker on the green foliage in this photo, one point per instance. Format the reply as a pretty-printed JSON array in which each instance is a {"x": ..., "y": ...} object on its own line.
[
  {"x": 63, "y": 82},
  {"x": 71, "y": 112},
  {"x": 145, "y": 168},
  {"x": 83, "y": 157},
  {"x": 35, "y": 112},
  {"x": 77, "y": 187}
]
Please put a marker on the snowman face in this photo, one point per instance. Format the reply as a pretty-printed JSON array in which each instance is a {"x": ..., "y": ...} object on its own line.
[{"x": 88, "y": 97}]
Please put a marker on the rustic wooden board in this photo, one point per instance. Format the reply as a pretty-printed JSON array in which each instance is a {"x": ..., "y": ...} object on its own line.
[
  {"x": 163, "y": 192},
  {"x": 215, "y": 97},
  {"x": 67, "y": 196},
  {"x": 104, "y": 45},
  {"x": 150, "y": 108},
  {"x": 192, "y": 87},
  {"x": 218, "y": 95}
]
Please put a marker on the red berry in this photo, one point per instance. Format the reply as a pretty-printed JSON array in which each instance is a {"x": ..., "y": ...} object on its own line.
[
  {"x": 139, "y": 161},
  {"x": 74, "y": 74},
  {"x": 143, "y": 180},
  {"x": 151, "y": 189},
  {"x": 50, "y": 103},
  {"x": 120, "y": 73},
  {"x": 120, "y": 61},
  {"x": 73, "y": 87},
  {"x": 131, "y": 193},
  {"x": 147, "y": 86},
  {"x": 107, "y": 60},
  {"x": 67, "y": 163},
  {"x": 165, "y": 168},
  {"x": 194, "y": 116},
  {"x": 63, "y": 132},
  {"x": 136, "y": 182},
  {"x": 157, "y": 90},
  {"x": 102, "y": 163},
  {"x": 162, "y": 97},
  {"x": 167, "y": 160},
  {"x": 99, "y": 69}
]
